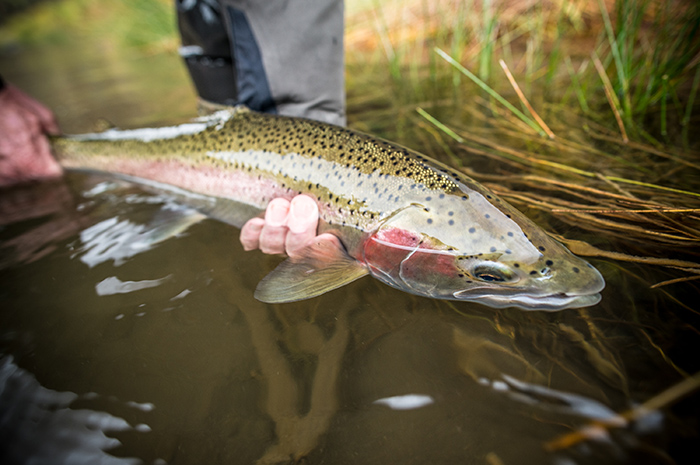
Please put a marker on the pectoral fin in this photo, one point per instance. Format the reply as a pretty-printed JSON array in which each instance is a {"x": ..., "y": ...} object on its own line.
[{"x": 320, "y": 267}]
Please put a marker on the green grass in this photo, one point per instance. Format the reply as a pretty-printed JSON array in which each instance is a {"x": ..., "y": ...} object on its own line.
[
  {"x": 648, "y": 51},
  {"x": 144, "y": 26}
]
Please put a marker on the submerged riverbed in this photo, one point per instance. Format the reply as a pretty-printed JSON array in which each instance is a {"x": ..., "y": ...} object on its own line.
[{"x": 109, "y": 326}]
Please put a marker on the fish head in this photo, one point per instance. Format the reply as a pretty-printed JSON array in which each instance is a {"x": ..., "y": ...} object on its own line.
[{"x": 472, "y": 246}]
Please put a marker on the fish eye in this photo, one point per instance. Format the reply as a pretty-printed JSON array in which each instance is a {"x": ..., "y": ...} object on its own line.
[{"x": 493, "y": 272}]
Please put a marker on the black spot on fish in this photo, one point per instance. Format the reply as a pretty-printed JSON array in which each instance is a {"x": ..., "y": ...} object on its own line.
[
  {"x": 428, "y": 199},
  {"x": 549, "y": 263},
  {"x": 517, "y": 265},
  {"x": 492, "y": 249},
  {"x": 450, "y": 213},
  {"x": 487, "y": 216},
  {"x": 451, "y": 222},
  {"x": 430, "y": 221},
  {"x": 472, "y": 230},
  {"x": 541, "y": 248},
  {"x": 510, "y": 234},
  {"x": 442, "y": 196},
  {"x": 576, "y": 270},
  {"x": 533, "y": 272}
]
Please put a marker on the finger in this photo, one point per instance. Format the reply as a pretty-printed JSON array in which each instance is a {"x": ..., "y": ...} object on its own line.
[
  {"x": 43, "y": 164},
  {"x": 250, "y": 233},
  {"x": 302, "y": 222},
  {"x": 273, "y": 234},
  {"x": 46, "y": 118}
]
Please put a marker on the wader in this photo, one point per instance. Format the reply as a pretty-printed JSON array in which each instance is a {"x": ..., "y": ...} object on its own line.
[{"x": 274, "y": 56}]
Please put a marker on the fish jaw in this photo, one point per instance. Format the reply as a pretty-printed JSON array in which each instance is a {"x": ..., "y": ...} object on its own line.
[{"x": 547, "y": 303}]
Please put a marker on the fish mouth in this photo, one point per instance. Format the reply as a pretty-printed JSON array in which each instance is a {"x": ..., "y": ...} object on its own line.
[{"x": 548, "y": 303}]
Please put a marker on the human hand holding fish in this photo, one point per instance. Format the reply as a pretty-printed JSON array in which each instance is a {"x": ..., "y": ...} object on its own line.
[
  {"x": 25, "y": 153},
  {"x": 286, "y": 228}
]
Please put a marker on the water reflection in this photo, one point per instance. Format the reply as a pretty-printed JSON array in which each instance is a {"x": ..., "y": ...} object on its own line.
[
  {"x": 39, "y": 426},
  {"x": 117, "y": 240},
  {"x": 48, "y": 212},
  {"x": 406, "y": 402},
  {"x": 113, "y": 285}
]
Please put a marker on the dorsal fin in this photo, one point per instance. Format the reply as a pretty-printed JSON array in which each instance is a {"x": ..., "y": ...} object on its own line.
[{"x": 103, "y": 124}]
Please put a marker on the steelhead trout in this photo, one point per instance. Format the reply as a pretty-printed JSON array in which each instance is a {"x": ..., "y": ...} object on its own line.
[{"x": 409, "y": 221}]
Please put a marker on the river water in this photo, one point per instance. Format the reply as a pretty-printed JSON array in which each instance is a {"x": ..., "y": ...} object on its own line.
[{"x": 129, "y": 334}]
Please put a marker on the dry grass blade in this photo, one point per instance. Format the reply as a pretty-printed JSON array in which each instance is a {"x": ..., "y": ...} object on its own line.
[
  {"x": 537, "y": 161},
  {"x": 585, "y": 249},
  {"x": 593, "y": 223},
  {"x": 594, "y": 429},
  {"x": 610, "y": 94},
  {"x": 656, "y": 210},
  {"x": 677, "y": 280},
  {"x": 649, "y": 149},
  {"x": 486, "y": 88},
  {"x": 523, "y": 99}
]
